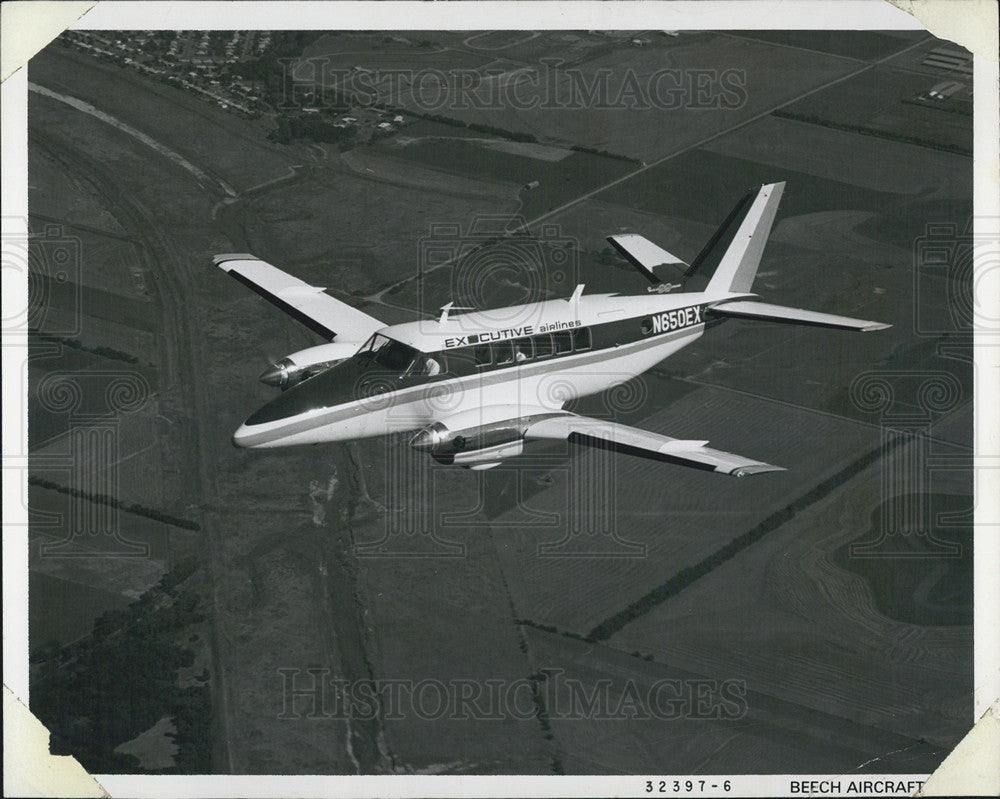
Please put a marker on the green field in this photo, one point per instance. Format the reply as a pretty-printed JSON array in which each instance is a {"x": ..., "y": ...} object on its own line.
[
  {"x": 721, "y": 181},
  {"x": 866, "y": 46},
  {"x": 236, "y": 149},
  {"x": 877, "y": 104},
  {"x": 915, "y": 578},
  {"x": 471, "y": 155},
  {"x": 647, "y": 126}
]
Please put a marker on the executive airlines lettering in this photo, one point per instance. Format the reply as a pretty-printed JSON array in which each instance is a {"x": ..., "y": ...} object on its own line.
[
  {"x": 509, "y": 333},
  {"x": 672, "y": 320}
]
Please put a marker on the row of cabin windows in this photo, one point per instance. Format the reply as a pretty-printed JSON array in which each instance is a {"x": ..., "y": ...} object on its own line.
[{"x": 543, "y": 345}]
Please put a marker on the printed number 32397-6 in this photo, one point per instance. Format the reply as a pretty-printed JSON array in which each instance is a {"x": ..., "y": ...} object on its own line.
[{"x": 688, "y": 786}]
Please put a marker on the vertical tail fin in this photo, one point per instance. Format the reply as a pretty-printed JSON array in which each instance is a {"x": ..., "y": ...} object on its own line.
[{"x": 730, "y": 259}]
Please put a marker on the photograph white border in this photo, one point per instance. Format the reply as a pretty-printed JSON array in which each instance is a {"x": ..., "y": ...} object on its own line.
[{"x": 712, "y": 15}]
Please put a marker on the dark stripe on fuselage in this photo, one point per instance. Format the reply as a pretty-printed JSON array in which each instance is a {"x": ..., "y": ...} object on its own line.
[
  {"x": 295, "y": 313},
  {"x": 603, "y": 336},
  {"x": 315, "y": 392},
  {"x": 356, "y": 378}
]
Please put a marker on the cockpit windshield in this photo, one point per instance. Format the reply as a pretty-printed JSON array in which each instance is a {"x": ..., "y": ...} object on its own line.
[{"x": 388, "y": 353}]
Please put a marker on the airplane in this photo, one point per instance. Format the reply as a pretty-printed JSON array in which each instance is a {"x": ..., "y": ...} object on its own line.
[{"x": 477, "y": 386}]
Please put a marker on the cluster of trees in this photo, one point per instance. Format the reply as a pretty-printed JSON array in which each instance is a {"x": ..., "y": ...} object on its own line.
[
  {"x": 581, "y": 148},
  {"x": 270, "y": 69},
  {"x": 878, "y": 132},
  {"x": 311, "y": 127},
  {"x": 104, "y": 499},
  {"x": 513, "y": 135},
  {"x": 76, "y": 344},
  {"x": 104, "y": 690}
]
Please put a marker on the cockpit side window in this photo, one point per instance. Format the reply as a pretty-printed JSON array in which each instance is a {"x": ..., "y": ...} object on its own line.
[
  {"x": 425, "y": 365},
  {"x": 388, "y": 353},
  {"x": 373, "y": 344}
]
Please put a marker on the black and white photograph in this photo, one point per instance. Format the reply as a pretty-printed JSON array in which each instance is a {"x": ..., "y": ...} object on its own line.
[{"x": 575, "y": 404}]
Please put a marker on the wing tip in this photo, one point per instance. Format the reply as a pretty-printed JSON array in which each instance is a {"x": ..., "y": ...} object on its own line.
[
  {"x": 871, "y": 326},
  {"x": 755, "y": 468},
  {"x": 225, "y": 257}
]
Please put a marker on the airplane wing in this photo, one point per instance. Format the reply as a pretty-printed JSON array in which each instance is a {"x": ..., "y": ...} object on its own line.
[
  {"x": 751, "y": 309},
  {"x": 633, "y": 441},
  {"x": 310, "y": 305}
]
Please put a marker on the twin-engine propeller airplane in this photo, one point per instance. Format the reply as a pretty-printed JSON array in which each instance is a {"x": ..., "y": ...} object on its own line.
[{"x": 477, "y": 386}]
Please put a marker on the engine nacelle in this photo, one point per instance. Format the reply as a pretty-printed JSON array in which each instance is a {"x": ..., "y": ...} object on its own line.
[
  {"x": 305, "y": 363},
  {"x": 471, "y": 439}
]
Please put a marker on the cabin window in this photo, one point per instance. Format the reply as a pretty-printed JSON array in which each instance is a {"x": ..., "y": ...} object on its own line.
[
  {"x": 543, "y": 345},
  {"x": 581, "y": 339},
  {"x": 460, "y": 362},
  {"x": 482, "y": 354},
  {"x": 563, "y": 342},
  {"x": 524, "y": 350},
  {"x": 504, "y": 352}
]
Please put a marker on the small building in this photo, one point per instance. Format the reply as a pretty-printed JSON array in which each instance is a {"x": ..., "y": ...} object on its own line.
[{"x": 945, "y": 90}]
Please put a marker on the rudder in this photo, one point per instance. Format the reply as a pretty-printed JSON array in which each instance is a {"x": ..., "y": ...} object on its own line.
[{"x": 730, "y": 259}]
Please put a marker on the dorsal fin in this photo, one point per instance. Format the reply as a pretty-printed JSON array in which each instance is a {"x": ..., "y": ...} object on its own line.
[{"x": 447, "y": 308}]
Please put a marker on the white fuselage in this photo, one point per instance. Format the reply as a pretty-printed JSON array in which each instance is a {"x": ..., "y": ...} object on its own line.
[{"x": 625, "y": 336}]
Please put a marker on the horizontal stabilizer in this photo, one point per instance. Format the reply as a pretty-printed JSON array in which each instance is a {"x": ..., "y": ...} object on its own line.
[
  {"x": 647, "y": 257},
  {"x": 310, "y": 305},
  {"x": 633, "y": 441},
  {"x": 751, "y": 309}
]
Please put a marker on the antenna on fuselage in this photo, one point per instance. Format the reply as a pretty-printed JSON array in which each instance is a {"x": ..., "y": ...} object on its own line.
[
  {"x": 448, "y": 308},
  {"x": 577, "y": 293}
]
